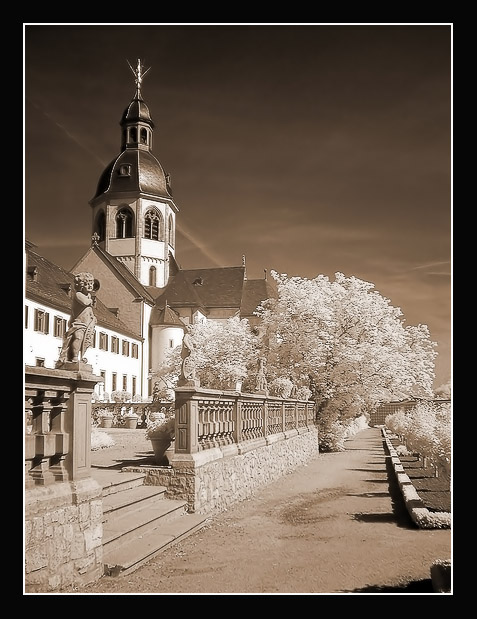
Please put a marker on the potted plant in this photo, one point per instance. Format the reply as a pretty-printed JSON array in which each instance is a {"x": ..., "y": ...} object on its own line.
[
  {"x": 161, "y": 433},
  {"x": 131, "y": 419},
  {"x": 106, "y": 419}
]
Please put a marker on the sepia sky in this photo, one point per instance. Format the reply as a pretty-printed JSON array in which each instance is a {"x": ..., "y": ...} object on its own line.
[{"x": 309, "y": 148}]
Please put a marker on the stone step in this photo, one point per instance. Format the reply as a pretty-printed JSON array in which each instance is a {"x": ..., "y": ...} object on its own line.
[
  {"x": 131, "y": 525},
  {"x": 130, "y": 500},
  {"x": 129, "y": 556},
  {"x": 116, "y": 481}
]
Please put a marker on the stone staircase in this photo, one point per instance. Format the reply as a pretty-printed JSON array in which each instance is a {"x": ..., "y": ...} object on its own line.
[{"x": 138, "y": 522}]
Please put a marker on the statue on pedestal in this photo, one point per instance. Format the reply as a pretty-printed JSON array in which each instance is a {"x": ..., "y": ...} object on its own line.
[
  {"x": 261, "y": 386},
  {"x": 80, "y": 335},
  {"x": 187, "y": 375}
]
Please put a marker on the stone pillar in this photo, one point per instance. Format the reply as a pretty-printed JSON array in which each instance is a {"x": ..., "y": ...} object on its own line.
[{"x": 186, "y": 421}]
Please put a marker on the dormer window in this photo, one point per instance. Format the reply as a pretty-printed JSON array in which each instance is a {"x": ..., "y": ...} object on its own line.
[{"x": 124, "y": 169}]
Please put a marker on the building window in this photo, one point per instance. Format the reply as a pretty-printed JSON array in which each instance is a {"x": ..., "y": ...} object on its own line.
[
  {"x": 115, "y": 344},
  {"x": 171, "y": 343},
  {"x": 125, "y": 382},
  {"x": 40, "y": 363},
  {"x": 134, "y": 385},
  {"x": 103, "y": 341},
  {"x": 59, "y": 326},
  {"x": 170, "y": 230},
  {"x": 125, "y": 348},
  {"x": 134, "y": 351},
  {"x": 152, "y": 276},
  {"x": 26, "y": 316},
  {"x": 133, "y": 134},
  {"x": 153, "y": 225},
  {"x": 42, "y": 321},
  {"x": 124, "y": 224},
  {"x": 144, "y": 136},
  {"x": 114, "y": 381},
  {"x": 103, "y": 376}
]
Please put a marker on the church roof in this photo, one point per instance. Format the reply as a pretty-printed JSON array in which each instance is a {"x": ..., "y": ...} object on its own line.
[
  {"x": 206, "y": 288},
  {"x": 123, "y": 273},
  {"x": 137, "y": 110},
  {"x": 146, "y": 175},
  {"x": 51, "y": 285},
  {"x": 254, "y": 292},
  {"x": 165, "y": 316}
]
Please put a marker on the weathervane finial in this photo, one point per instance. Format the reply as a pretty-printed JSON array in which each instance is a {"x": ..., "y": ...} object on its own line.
[{"x": 139, "y": 72}]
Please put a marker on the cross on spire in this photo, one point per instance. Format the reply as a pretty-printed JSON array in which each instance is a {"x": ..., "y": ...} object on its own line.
[{"x": 139, "y": 72}]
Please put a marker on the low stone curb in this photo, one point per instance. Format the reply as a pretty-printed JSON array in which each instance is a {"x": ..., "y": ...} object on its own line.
[{"x": 420, "y": 515}]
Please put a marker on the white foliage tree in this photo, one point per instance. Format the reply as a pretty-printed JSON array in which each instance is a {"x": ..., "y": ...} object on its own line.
[
  {"x": 222, "y": 355},
  {"x": 352, "y": 342}
]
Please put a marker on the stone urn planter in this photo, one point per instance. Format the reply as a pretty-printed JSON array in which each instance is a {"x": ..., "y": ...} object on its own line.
[
  {"x": 107, "y": 421},
  {"x": 161, "y": 433},
  {"x": 160, "y": 446},
  {"x": 130, "y": 421}
]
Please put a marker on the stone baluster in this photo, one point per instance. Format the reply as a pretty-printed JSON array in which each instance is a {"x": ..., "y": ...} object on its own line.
[
  {"x": 237, "y": 419},
  {"x": 45, "y": 442},
  {"x": 265, "y": 418},
  {"x": 58, "y": 428}
]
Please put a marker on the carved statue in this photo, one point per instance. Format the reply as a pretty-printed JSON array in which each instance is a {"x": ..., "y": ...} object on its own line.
[
  {"x": 187, "y": 367},
  {"x": 261, "y": 385},
  {"x": 80, "y": 335}
]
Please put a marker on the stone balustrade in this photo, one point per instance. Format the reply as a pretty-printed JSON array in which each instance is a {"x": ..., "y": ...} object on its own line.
[
  {"x": 63, "y": 503},
  {"x": 58, "y": 425},
  {"x": 207, "y": 419}
]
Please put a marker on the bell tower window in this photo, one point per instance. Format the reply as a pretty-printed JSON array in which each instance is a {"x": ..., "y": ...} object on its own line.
[
  {"x": 153, "y": 225},
  {"x": 144, "y": 136},
  {"x": 124, "y": 224},
  {"x": 133, "y": 134}
]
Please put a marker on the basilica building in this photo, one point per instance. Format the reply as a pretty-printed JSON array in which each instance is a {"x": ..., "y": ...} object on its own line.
[{"x": 133, "y": 255}]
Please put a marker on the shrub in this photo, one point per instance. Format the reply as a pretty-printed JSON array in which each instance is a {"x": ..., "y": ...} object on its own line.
[
  {"x": 120, "y": 396},
  {"x": 100, "y": 440},
  {"x": 161, "y": 428},
  {"x": 303, "y": 393},
  {"x": 281, "y": 387}
]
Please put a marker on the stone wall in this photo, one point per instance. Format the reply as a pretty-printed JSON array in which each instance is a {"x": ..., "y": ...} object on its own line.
[
  {"x": 213, "y": 480},
  {"x": 63, "y": 535}
]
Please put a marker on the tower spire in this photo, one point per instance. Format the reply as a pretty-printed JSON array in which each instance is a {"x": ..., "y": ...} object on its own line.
[{"x": 139, "y": 72}]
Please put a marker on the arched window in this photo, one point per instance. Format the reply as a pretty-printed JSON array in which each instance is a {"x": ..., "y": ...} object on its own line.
[
  {"x": 152, "y": 276},
  {"x": 100, "y": 227},
  {"x": 124, "y": 224},
  {"x": 170, "y": 230},
  {"x": 153, "y": 225},
  {"x": 144, "y": 136}
]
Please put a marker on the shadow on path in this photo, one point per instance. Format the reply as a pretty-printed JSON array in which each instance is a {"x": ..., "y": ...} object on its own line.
[
  {"x": 398, "y": 514},
  {"x": 141, "y": 459},
  {"x": 415, "y": 586}
]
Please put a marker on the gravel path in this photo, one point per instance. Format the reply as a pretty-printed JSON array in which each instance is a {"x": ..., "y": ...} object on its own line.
[{"x": 336, "y": 525}]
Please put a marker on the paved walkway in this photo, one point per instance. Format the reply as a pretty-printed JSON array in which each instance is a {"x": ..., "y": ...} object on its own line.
[{"x": 335, "y": 525}]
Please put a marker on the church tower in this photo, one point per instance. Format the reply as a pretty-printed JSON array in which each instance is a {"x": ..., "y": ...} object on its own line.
[{"x": 134, "y": 215}]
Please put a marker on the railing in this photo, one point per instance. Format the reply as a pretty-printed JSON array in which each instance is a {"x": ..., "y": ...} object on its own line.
[
  {"x": 207, "y": 418},
  {"x": 57, "y": 425},
  {"x": 119, "y": 411}
]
